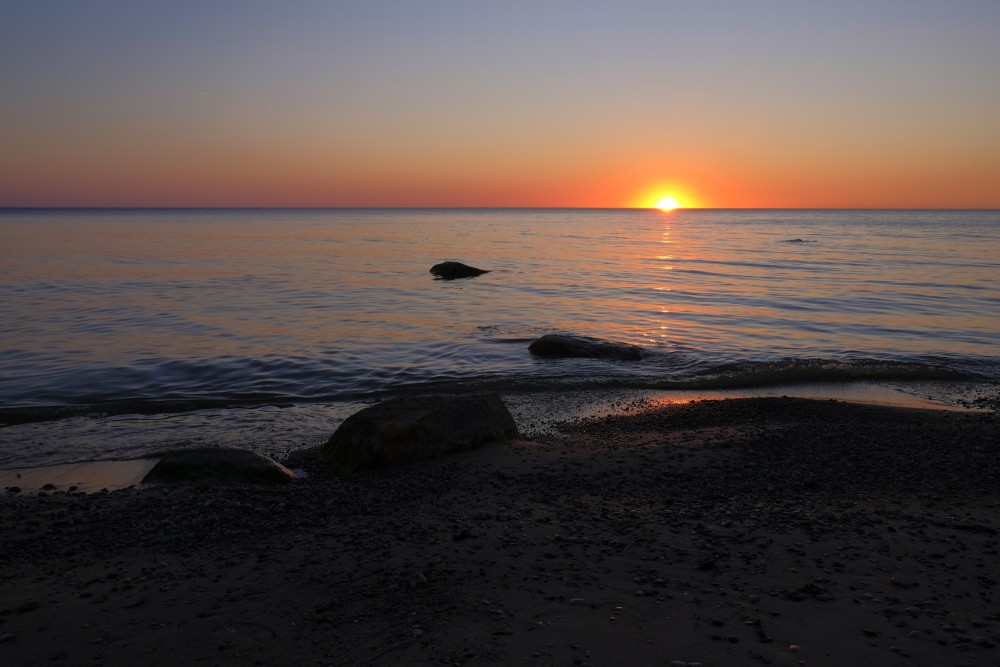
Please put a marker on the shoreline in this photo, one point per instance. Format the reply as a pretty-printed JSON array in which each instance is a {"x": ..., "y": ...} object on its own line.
[
  {"x": 293, "y": 426},
  {"x": 776, "y": 531}
]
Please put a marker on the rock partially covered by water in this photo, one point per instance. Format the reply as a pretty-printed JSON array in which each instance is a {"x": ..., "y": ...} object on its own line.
[
  {"x": 217, "y": 464},
  {"x": 417, "y": 427},
  {"x": 453, "y": 270},
  {"x": 565, "y": 345}
]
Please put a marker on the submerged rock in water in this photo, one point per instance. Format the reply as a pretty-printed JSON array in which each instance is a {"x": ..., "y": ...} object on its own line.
[
  {"x": 217, "y": 464},
  {"x": 453, "y": 270},
  {"x": 417, "y": 427},
  {"x": 565, "y": 345}
]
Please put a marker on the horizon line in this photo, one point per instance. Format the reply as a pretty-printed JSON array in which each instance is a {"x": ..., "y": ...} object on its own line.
[{"x": 493, "y": 208}]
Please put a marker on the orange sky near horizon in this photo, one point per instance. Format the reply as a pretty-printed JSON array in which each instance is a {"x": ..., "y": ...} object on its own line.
[{"x": 560, "y": 105}]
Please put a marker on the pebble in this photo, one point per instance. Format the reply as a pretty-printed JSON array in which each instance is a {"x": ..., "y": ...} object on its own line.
[{"x": 192, "y": 518}]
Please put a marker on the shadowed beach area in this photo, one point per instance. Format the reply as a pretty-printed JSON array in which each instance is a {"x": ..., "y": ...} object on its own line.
[{"x": 779, "y": 531}]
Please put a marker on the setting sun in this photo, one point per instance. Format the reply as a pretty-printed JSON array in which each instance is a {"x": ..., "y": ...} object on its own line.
[
  {"x": 666, "y": 196},
  {"x": 666, "y": 203}
]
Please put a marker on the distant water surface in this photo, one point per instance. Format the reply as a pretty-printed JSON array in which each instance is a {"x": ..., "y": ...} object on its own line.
[{"x": 306, "y": 307}]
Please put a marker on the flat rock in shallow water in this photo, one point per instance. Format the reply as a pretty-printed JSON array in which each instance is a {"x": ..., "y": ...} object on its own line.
[
  {"x": 562, "y": 346},
  {"x": 204, "y": 464},
  {"x": 453, "y": 270},
  {"x": 417, "y": 427}
]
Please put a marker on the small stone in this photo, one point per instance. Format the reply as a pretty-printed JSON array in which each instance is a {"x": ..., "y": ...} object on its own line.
[
  {"x": 793, "y": 647},
  {"x": 678, "y": 663},
  {"x": 5, "y": 638},
  {"x": 464, "y": 534},
  {"x": 984, "y": 642},
  {"x": 417, "y": 632}
]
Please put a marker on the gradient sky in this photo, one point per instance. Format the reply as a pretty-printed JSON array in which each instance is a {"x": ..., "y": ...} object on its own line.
[{"x": 466, "y": 103}]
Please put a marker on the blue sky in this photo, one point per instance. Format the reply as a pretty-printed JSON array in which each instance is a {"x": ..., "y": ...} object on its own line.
[{"x": 517, "y": 103}]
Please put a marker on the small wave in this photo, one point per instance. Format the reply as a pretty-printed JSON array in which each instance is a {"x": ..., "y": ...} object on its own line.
[
  {"x": 661, "y": 370},
  {"x": 39, "y": 413},
  {"x": 803, "y": 371}
]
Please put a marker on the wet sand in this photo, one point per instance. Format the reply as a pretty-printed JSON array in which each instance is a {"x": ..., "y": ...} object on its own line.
[
  {"x": 736, "y": 532},
  {"x": 85, "y": 477}
]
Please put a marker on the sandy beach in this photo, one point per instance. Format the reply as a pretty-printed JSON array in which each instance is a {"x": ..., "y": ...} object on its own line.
[{"x": 777, "y": 531}]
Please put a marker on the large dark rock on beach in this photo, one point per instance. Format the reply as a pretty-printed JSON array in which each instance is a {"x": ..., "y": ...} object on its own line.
[
  {"x": 561, "y": 346},
  {"x": 217, "y": 464},
  {"x": 453, "y": 270},
  {"x": 417, "y": 427}
]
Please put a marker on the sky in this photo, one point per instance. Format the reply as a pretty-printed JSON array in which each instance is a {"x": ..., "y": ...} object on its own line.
[{"x": 561, "y": 103}]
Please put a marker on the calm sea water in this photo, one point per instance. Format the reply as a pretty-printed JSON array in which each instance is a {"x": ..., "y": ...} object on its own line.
[{"x": 308, "y": 308}]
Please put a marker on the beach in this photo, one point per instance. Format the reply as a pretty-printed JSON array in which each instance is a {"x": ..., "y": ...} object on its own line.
[
  {"x": 779, "y": 531},
  {"x": 479, "y": 334}
]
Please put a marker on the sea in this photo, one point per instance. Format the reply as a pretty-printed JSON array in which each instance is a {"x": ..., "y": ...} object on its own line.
[{"x": 129, "y": 331}]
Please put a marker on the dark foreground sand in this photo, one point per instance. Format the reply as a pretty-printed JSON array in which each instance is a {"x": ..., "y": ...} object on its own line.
[{"x": 739, "y": 532}]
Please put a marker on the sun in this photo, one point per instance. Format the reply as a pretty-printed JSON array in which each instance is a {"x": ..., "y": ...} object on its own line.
[{"x": 666, "y": 203}]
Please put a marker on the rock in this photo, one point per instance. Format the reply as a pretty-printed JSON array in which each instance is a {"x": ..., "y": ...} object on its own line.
[
  {"x": 453, "y": 270},
  {"x": 217, "y": 464},
  {"x": 417, "y": 427},
  {"x": 566, "y": 345}
]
